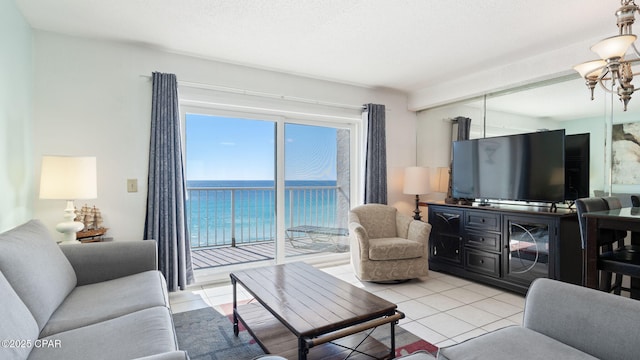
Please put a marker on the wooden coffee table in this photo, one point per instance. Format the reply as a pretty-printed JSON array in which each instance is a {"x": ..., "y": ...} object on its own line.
[{"x": 302, "y": 312}]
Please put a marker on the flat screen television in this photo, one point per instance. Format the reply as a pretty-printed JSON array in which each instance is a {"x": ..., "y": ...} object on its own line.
[
  {"x": 522, "y": 167},
  {"x": 576, "y": 166}
]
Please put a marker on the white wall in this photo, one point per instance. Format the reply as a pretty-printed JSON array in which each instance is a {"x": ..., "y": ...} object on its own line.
[
  {"x": 93, "y": 98},
  {"x": 16, "y": 177}
]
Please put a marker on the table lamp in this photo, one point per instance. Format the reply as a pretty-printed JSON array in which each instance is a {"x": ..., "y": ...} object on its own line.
[
  {"x": 416, "y": 182},
  {"x": 68, "y": 178}
]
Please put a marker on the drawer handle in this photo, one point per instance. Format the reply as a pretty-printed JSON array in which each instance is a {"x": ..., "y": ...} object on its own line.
[
  {"x": 482, "y": 239},
  {"x": 481, "y": 261},
  {"x": 481, "y": 220}
]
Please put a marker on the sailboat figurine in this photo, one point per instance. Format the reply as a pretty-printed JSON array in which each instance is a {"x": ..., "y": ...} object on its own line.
[{"x": 93, "y": 224}]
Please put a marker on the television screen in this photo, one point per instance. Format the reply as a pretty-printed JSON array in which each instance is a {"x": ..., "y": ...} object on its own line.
[
  {"x": 576, "y": 166},
  {"x": 528, "y": 167}
]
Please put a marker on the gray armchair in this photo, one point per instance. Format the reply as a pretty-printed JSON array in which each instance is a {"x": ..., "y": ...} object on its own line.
[{"x": 387, "y": 245}]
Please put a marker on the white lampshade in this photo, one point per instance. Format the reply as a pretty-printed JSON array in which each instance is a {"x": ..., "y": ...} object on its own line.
[
  {"x": 612, "y": 47},
  {"x": 416, "y": 180},
  {"x": 590, "y": 69},
  {"x": 68, "y": 178}
]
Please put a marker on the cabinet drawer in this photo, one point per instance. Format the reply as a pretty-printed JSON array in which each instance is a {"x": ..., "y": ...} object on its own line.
[
  {"x": 483, "y": 240},
  {"x": 483, "y": 220},
  {"x": 482, "y": 262}
]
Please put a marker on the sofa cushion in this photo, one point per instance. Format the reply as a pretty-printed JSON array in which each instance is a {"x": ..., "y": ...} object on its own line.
[
  {"x": 394, "y": 249},
  {"x": 513, "y": 342},
  {"x": 17, "y": 324},
  {"x": 89, "y": 304},
  {"x": 36, "y": 269},
  {"x": 142, "y": 333}
]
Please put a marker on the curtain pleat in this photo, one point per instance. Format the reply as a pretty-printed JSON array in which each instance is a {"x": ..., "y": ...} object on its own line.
[
  {"x": 375, "y": 182},
  {"x": 464, "y": 127},
  {"x": 166, "y": 212}
]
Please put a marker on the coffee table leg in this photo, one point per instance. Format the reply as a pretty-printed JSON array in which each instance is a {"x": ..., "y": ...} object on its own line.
[
  {"x": 302, "y": 349},
  {"x": 236, "y": 331},
  {"x": 392, "y": 351}
]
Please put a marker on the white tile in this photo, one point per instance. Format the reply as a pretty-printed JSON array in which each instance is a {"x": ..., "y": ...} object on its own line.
[
  {"x": 483, "y": 289},
  {"x": 186, "y": 295},
  {"x": 469, "y": 335},
  {"x": 440, "y": 302},
  {"x": 513, "y": 299},
  {"x": 473, "y": 315},
  {"x": 416, "y": 310},
  {"x": 411, "y": 291},
  {"x": 436, "y": 285},
  {"x": 463, "y": 295},
  {"x": 423, "y": 332},
  {"x": 391, "y": 296},
  {"x": 516, "y": 319},
  {"x": 446, "y": 325},
  {"x": 455, "y": 280},
  {"x": 189, "y": 305},
  {"x": 496, "y": 307}
]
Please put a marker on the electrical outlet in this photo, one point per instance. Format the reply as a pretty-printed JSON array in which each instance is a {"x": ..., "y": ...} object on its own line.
[{"x": 132, "y": 185}]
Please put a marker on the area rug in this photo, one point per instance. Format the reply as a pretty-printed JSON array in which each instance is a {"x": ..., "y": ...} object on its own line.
[{"x": 206, "y": 334}]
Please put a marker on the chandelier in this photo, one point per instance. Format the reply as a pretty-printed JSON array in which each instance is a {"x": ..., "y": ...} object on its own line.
[{"x": 612, "y": 65}]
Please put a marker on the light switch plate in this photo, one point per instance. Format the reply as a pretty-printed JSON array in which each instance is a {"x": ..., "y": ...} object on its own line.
[{"x": 132, "y": 185}]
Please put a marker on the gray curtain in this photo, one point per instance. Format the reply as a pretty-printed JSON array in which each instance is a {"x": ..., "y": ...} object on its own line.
[
  {"x": 166, "y": 211},
  {"x": 464, "y": 127},
  {"x": 375, "y": 182}
]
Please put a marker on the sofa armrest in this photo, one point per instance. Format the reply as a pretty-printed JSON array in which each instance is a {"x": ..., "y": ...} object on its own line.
[
  {"x": 173, "y": 355},
  {"x": 96, "y": 262},
  {"x": 595, "y": 322}
]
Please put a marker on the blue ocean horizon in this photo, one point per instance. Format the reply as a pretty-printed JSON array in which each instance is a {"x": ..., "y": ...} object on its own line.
[{"x": 222, "y": 212}]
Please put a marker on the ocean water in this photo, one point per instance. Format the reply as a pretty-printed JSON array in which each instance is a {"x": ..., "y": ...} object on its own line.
[{"x": 220, "y": 211}]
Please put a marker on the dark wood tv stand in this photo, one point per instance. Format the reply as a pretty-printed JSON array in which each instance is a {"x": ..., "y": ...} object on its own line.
[{"x": 507, "y": 246}]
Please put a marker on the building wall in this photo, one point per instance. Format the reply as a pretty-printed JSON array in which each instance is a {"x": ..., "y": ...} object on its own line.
[
  {"x": 94, "y": 98},
  {"x": 16, "y": 177}
]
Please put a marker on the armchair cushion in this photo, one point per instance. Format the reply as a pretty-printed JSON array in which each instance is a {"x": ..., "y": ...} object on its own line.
[{"x": 395, "y": 249}]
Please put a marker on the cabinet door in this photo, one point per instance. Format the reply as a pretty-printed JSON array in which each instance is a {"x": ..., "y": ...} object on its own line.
[
  {"x": 445, "y": 242},
  {"x": 527, "y": 248}
]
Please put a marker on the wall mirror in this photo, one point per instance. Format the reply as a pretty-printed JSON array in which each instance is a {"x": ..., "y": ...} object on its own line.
[{"x": 560, "y": 103}]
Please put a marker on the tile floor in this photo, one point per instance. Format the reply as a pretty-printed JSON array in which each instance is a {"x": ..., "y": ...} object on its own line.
[{"x": 440, "y": 308}]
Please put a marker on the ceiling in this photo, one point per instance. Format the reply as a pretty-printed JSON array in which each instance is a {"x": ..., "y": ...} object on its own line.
[{"x": 398, "y": 44}]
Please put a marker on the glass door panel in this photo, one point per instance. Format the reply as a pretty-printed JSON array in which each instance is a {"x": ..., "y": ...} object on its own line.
[
  {"x": 230, "y": 189},
  {"x": 317, "y": 189},
  {"x": 528, "y": 249}
]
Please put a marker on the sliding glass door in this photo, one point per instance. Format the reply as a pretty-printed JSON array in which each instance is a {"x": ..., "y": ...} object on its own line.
[{"x": 266, "y": 189}]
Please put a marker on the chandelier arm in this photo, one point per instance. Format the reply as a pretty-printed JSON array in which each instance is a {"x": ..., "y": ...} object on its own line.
[
  {"x": 600, "y": 81},
  {"x": 635, "y": 50}
]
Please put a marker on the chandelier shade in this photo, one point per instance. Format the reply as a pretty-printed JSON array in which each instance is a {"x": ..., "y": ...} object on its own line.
[
  {"x": 613, "y": 47},
  {"x": 591, "y": 69},
  {"x": 613, "y": 71}
]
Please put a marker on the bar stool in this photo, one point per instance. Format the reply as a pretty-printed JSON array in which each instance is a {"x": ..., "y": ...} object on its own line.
[{"x": 614, "y": 257}]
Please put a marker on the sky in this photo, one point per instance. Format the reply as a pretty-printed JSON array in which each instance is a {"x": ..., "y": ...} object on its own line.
[{"x": 224, "y": 148}]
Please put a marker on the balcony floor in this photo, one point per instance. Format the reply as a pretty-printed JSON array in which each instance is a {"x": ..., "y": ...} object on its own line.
[{"x": 206, "y": 258}]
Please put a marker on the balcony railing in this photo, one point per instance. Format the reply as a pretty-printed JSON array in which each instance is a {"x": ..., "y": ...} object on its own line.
[{"x": 231, "y": 216}]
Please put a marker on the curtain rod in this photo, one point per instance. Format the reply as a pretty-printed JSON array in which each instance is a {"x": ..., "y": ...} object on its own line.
[{"x": 198, "y": 85}]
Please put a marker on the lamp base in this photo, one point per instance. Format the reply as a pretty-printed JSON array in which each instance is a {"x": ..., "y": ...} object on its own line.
[
  {"x": 417, "y": 210},
  {"x": 69, "y": 228}
]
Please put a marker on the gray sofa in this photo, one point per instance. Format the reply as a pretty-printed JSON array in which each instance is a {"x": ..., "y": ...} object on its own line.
[
  {"x": 90, "y": 301},
  {"x": 561, "y": 321}
]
